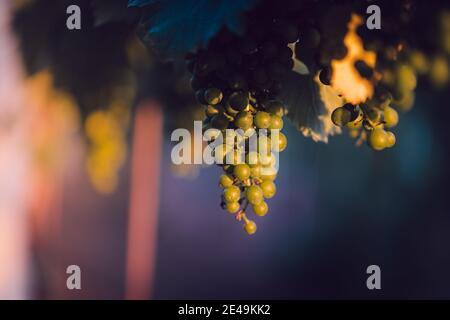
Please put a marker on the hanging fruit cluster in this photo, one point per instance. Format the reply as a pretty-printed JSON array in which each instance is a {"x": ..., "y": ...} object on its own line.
[{"x": 238, "y": 80}]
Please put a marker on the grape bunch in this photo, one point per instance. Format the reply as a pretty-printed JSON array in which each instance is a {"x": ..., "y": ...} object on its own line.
[
  {"x": 369, "y": 121},
  {"x": 238, "y": 80}
]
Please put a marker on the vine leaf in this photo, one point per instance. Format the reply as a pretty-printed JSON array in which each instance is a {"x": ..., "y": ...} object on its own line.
[
  {"x": 309, "y": 104},
  {"x": 178, "y": 26}
]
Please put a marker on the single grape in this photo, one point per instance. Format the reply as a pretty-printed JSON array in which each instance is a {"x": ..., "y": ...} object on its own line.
[
  {"x": 276, "y": 122},
  {"x": 309, "y": 38},
  {"x": 390, "y": 117},
  {"x": 254, "y": 194},
  {"x": 231, "y": 194},
  {"x": 262, "y": 120},
  {"x": 213, "y": 96},
  {"x": 269, "y": 189},
  {"x": 419, "y": 62},
  {"x": 231, "y": 111},
  {"x": 268, "y": 174},
  {"x": 250, "y": 227},
  {"x": 325, "y": 76},
  {"x": 264, "y": 146},
  {"x": 340, "y": 51},
  {"x": 220, "y": 122},
  {"x": 341, "y": 116},
  {"x": 242, "y": 171},
  {"x": 286, "y": 30},
  {"x": 275, "y": 107},
  {"x": 406, "y": 78},
  {"x": 377, "y": 139},
  {"x": 226, "y": 181},
  {"x": 238, "y": 100},
  {"x": 255, "y": 171},
  {"x": 390, "y": 139},
  {"x": 363, "y": 69},
  {"x": 244, "y": 120},
  {"x": 374, "y": 115},
  {"x": 252, "y": 158},
  {"x": 357, "y": 122},
  {"x": 232, "y": 207},
  {"x": 261, "y": 208},
  {"x": 267, "y": 159},
  {"x": 282, "y": 143}
]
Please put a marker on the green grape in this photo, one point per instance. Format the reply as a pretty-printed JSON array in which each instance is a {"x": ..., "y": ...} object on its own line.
[
  {"x": 242, "y": 171},
  {"x": 211, "y": 134},
  {"x": 238, "y": 100},
  {"x": 355, "y": 123},
  {"x": 374, "y": 115},
  {"x": 390, "y": 141},
  {"x": 254, "y": 194},
  {"x": 262, "y": 120},
  {"x": 377, "y": 139},
  {"x": 282, "y": 143},
  {"x": 252, "y": 158},
  {"x": 390, "y": 117},
  {"x": 220, "y": 122},
  {"x": 250, "y": 227},
  {"x": 275, "y": 107},
  {"x": 213, "y": 96},
  {"x": 226, "y": 181},
  {"x": 228, "y": 169},
  {"x": 264, "y": 148},
  {"x": 231, "y": 194},
  {"x": 269, "y": 189},
  {"x": 341, "y": 116},
  {"x": 232, "y": 207},
  {"x": 406, "y": 78},
  {"x": 276, "y": 122},
  {"x": 261, "y": 208},
  {"x": 419, "y": 62},
  {"x": 255, "y": 171},
  {"x": 244, "y": 120},
  {"x": 268, "y": 176}
]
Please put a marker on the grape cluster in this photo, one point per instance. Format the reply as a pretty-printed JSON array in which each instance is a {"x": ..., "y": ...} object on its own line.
[
  {"x": 238, "y": 80},
  {"x": 369, "y": 121}
]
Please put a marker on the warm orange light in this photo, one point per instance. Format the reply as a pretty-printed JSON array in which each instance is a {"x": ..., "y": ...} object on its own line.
[{"x": 346, "y": 79}]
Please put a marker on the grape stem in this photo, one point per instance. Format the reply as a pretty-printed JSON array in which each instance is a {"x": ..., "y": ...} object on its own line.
[{"x": 241, "y": 213}]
